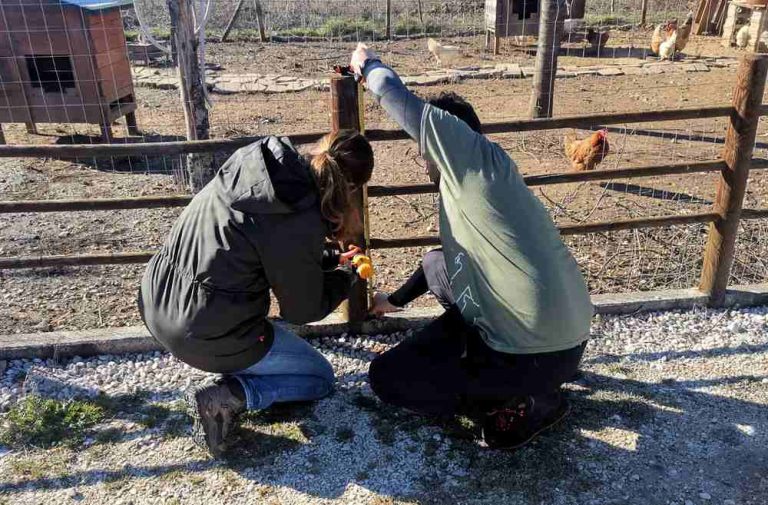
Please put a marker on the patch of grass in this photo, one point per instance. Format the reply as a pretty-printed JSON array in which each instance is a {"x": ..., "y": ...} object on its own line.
[
  {"x": 606, "y": 20},
  {"x": 51, "y": 464},
  {"x": 410, "y": 26},
  {"x": 153, "y": 415},
  {"x": 345, "y": 434},
  {"x": 122, "y": 403},
  {"x": 337, "y": 27},
  {"x": 42, "y": 422},
  {"x": 158, "y": 33}
]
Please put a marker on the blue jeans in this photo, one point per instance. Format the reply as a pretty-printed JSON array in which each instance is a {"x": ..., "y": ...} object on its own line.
[{"x": 291, "y": 371}]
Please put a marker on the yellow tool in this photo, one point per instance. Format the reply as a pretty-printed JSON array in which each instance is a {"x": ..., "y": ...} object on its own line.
[{"x": 364, "y": 266}]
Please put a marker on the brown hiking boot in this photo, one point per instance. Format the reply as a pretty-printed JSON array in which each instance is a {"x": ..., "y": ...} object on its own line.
[
  {"x": 214, "y": 409},
  {"x": 517, "y": 423}
]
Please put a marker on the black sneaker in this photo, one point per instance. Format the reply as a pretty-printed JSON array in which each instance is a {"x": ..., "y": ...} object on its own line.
[{"x": 519, "y": 422}]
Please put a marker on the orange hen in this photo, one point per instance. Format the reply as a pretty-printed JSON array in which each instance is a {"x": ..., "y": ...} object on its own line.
[{"x": 587, "y": 153}]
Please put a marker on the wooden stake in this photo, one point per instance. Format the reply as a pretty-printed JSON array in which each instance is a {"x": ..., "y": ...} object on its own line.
[
  {"x": 345, "y": 115},
  {"x": 737, "y": 154},
  {"x": 260, "y": 21},
  {"x": 421, "y": 17},
  {"x": 643, "y": 12},
  {"x": 389, "y": 20},
  {"x": 232, "y": 20},
  {"x": 191, "y": 82},
  {"x": 552, "y": 14}
]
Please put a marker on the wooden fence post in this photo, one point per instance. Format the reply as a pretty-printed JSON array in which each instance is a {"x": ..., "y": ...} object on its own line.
[
  {"x": 389, "y": 20},
  {"x": 737, "y": 154},
  {"x": 346, "y": 115},
  {"x": 260, "y": 21},
  {"x": 191, "y": 82},
  {"x": 643, "y": 12},
  {"x": 552, "y": 14}
]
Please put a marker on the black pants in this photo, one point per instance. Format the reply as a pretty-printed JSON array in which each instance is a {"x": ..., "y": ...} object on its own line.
[{"x": 446, "y": 368}]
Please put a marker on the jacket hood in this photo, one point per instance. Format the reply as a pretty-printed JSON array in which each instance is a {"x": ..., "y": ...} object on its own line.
[{"x": 270, "y": 177}]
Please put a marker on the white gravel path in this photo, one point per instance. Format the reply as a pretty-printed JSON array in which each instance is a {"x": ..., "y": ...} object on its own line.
[{"x": 672, "y": 408}]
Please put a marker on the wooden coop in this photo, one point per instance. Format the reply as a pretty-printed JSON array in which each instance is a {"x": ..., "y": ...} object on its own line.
[
  {"x": 519, "y": 19},
  {"x": 65, "y": 61}
]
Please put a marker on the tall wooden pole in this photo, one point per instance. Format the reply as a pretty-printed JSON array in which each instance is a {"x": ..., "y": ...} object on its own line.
[
  {"x": 737, "y": 154},
  {"x": 552, "y": 14},
  {"x": 191, "y": 82},
  {"x": 643, "y": 12},
  {"x": 389, "y": 20},
  {"x": 346, "y": 115}
]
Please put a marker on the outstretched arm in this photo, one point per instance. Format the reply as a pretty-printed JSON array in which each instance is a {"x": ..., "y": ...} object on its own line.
[{"x": 402, "y": 105}]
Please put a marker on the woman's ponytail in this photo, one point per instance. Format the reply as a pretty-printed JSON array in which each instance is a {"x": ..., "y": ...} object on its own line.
[{"x": 341, "y": 163}]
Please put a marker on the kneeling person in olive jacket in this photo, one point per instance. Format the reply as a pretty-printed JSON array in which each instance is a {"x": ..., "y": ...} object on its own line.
[{"x": 262, "y": 223}]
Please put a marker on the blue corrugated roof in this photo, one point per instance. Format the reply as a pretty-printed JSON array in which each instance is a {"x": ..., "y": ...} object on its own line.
[{"x": 95, "y": 5}]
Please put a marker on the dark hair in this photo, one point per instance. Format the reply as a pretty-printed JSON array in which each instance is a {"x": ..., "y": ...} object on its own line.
[
  {"x": 341, "y": 162},
  {"x": 459, "y": 107}
]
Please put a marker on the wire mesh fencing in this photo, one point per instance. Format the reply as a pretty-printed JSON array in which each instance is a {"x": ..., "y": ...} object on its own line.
[{"x": 280, "y": 87}]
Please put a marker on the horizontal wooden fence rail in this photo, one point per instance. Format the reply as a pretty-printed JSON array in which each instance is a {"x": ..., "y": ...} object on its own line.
[
  {"x": 149, "y": 202},
  {"x": 153, "y": 149},
  {"x": 375, "y": 243}
]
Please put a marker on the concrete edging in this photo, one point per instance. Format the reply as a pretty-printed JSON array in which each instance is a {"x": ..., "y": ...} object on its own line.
[{"x": 136, "y": 339}]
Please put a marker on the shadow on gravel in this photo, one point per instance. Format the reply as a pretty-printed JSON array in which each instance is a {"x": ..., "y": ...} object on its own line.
[{"x": 672, "y": 441}]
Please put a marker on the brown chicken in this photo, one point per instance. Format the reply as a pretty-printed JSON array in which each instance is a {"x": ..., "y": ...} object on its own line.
[
  {"x": 597, "y": 39},
  {"x": 587, "y": 153}
]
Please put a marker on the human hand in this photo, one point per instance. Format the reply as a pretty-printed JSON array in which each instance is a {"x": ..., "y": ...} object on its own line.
[
  {"x": 382, "y": 306},
  {"x": 360, "y": 56},
  {"x": 346, "y": 257}
]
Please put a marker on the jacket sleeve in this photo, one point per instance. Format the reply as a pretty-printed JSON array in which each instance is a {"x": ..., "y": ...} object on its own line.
[{"x": 292, "y": 259}]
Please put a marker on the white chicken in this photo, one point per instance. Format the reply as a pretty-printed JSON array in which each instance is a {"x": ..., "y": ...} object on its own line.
[
  {"x": 742, "y": 37},
  {"x": 667, "y": 48},
  {"x": 443, "y": 54}
]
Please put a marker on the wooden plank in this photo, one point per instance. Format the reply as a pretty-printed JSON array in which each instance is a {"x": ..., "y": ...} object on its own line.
[
  {"x": 737, "y": 154},
  {"x": 575, "y": 229},
  {"x": 8, "y": 207},
  {"x": 182, "y": 147},
  {"x": 79, "y": 260}
]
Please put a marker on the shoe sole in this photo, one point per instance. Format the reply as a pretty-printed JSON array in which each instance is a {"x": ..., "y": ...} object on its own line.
[
  {"x": 201, "y": 432},
  {"x": 554, "y": 421}
]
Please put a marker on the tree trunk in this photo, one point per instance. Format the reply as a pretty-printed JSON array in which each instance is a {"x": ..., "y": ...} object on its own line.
[
  {"x": 552, "y": 14},
  {"x": 191, "y": 81}
]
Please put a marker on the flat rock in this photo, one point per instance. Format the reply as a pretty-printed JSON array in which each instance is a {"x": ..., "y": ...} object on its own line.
[
  {"x": 510, "y": 70},
  {"x": 429, "y": 80},
  {"x": 610, "y": 72},
  {"x": 632, "y": 70}
]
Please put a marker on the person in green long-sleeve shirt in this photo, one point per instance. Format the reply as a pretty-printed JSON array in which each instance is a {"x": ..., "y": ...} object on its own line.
[{"x": 518, "y": 310}]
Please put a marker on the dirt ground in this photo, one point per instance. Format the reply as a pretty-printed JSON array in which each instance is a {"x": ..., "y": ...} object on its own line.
[{"x": 75, "y": 298}]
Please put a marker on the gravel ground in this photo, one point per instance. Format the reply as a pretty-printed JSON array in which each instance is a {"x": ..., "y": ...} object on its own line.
[{"x": 672, "y": 408}]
